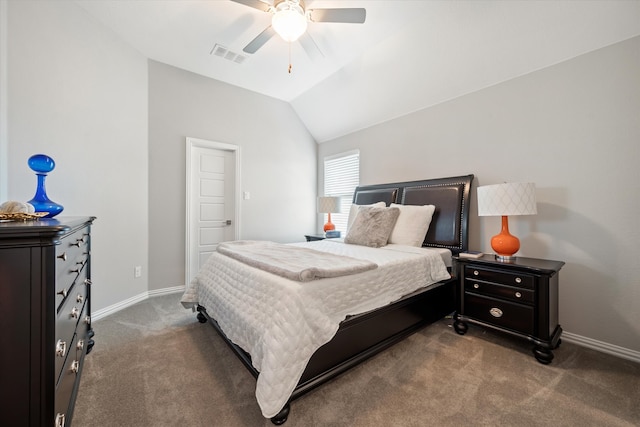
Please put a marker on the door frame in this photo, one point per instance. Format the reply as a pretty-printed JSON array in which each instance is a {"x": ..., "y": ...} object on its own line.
[{"x": 203, "y": 143}]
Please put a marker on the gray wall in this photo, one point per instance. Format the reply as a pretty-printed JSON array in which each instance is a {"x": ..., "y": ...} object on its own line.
[
  {"x": 78, "y": 94},
  {"x": 574, "y": 130},
  {"x": 278, "y": 163}
]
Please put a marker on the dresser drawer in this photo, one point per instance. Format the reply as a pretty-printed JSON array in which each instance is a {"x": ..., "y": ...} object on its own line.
[
  {"x": 514, "y": 316},
  {"x": 72, "y": 254},
  {"x": 66, "y": 384},
  {"x": 73, "y": 311},
  {"x": 501, "y": 277},
  {"x": 510, "y": 293},
  {"x": 71, "y": 289}
]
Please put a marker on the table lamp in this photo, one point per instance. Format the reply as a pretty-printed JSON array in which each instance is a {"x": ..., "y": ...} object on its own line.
[
  {"x": 329, "y": 205},
  {"x": 504, "y": 200}
]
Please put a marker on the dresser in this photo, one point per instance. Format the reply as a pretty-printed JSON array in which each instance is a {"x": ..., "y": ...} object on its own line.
[
  {"x": 519, "y": 297},
  {"x": 45, "y": 318}
]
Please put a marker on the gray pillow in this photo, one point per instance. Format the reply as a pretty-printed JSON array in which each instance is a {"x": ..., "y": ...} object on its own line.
[{"x": 372, "y": 226}]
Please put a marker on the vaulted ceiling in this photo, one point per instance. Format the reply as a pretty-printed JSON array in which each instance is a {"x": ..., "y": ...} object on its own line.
[{"x": 407, "y": 56}]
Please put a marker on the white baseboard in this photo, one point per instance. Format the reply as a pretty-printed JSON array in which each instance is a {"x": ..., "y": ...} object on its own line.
[
  {"x": 601, "y": 346},
  {"x": 99, "y": 314}
]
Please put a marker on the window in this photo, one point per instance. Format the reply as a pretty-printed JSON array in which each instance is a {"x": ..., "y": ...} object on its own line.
[{"x": 341, "y": 177}]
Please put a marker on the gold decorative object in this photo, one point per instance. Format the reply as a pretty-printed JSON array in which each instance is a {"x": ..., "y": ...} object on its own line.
[{"x": 21, "y": 216}]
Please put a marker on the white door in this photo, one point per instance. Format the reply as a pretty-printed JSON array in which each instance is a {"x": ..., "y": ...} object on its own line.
[{"x": 212, "y": 211}]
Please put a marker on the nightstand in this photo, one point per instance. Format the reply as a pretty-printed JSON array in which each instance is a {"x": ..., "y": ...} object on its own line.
[
  {"x": 312, "y": 237},
  {"x": 518, "y": 297}
]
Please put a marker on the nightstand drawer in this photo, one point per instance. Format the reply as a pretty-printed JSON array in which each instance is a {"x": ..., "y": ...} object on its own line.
[
  {"x": 502, "y": 277},
  {"x": 493, "y": 289},
  {"x": 517, "y": 317}
]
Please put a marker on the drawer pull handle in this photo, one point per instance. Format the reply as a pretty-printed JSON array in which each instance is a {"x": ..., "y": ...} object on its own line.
[
  {"x": 518, "y": 295},
  {"x": 87, "y": 320},
  {"x": 80, "y": 345},
  {"x": 76, "y": 243},
  {"x": 61, "y": 348},
  {"x": 62, "y": 256},
  {"x": 495, "y": 312},
  {"x": 80, "y": 298},
  {"x": 87, "y": 282},
  {"x": 518, "y": 280},
  {"x": 77, "y": 270},
  {"x": 75, "y": 313},
  {"x": 476, "y": 273},
  {"x": 476, "y": 286},
  {"x": 75, "y": 366},
  {"x": 63, "y": 292},
  {"x": 59, "y": 420}
]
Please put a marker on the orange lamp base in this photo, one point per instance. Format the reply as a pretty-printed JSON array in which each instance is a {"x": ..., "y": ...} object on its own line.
[
  {"x": 329, "y": 225},
  {"x": 505, "y": 244}
]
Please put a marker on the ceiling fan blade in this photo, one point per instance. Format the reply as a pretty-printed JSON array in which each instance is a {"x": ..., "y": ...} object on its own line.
[
  {"x": 348, "y": 15},
  {"x": 256, "y": 4},
  {"x": 260, "y": 40},
  {"x": 309, "y": 45}
]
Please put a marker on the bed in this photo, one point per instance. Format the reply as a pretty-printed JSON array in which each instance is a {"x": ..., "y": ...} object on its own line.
[{"x": 330, "y": 335}]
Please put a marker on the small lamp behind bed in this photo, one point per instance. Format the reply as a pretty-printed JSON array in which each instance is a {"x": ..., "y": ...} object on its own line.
[
  {"x": 503, "y": 200},
  {"x": 329, "y": 205}
]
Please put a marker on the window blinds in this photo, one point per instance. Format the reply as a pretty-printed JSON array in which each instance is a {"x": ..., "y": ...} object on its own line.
[{"x": 341, "y": 177}]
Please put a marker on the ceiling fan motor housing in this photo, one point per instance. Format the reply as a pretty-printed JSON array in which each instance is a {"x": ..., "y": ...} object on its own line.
[{"x": 289, "y": 19}]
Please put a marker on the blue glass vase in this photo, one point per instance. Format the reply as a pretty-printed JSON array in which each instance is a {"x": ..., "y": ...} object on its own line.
[{"x": 42, "y": 164}]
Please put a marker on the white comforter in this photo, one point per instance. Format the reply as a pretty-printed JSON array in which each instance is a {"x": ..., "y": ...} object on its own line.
[{"x": 281, "y": 323}]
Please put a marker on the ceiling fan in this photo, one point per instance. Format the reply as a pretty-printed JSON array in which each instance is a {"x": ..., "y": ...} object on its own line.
[{"x": 290, "y": 19}]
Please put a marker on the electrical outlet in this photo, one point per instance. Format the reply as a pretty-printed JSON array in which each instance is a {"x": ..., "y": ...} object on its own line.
[{"x": 137, "y": 271}]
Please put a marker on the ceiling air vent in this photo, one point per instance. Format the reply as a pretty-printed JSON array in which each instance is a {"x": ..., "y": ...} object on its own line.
[{"x": 223, "y": 52}]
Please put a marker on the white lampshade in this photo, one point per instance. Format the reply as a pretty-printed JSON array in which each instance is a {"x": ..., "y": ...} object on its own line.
[
  {"x": 518, "y": 198},
  {"x": 289, "y": 20},
  {"x": 328, "y": 204}
]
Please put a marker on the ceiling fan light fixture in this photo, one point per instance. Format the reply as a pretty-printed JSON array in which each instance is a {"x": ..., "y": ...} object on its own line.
[{"x": 289, "y": 20}]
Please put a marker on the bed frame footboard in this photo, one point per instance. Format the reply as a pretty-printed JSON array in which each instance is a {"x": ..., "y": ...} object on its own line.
[{"x": 359, "y": 337}]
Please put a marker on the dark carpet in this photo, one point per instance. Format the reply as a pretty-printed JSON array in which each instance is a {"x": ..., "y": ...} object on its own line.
[{"x": 154, "y": 365}]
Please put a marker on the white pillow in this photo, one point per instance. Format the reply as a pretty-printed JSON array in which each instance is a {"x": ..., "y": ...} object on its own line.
[
  {"x": 354, "y": 211},
  {"x": 412, "y": 224}
]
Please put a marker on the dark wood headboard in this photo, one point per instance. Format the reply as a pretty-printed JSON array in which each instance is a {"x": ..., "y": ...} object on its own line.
[{"x": 449, "y": 226}]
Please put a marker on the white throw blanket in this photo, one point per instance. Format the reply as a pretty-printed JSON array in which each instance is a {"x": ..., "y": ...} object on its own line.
[
  {"x": 292, "y": 262},
  {"x": 281, "y": 322}
]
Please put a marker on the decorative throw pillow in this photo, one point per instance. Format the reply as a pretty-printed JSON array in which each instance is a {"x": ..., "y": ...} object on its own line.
[
  {"x": 372, "y": 226},
  {"x": 354, "y": 211},
  {"x": 412, "y": 224}
]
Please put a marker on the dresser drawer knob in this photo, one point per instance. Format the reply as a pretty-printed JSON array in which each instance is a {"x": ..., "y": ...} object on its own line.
[
  {"x": 75, "y": 313},
  {"x": 476, "y": 286},
  {"x": 61, "y": 348},
  {"x": 59, "y": 420},
  {"x": 75, "y": 366},
  {"x": 76, "y": 243},
  {"x": 495, "y": 312},
  {"x": 518, "y": 280},
  {"x": 87, "y": 282},
  {"x": 62, "y": 256},
  {"x": 79, "y": 298},
  {"x": 87, "y": 320},
  {"x": 80, "y": 345},
  {"x": 76, "y": 270},
  {"x": 63, "y": 292},
  {"x": 476, "y": 273},
  {"x": 518, "y": 295}
]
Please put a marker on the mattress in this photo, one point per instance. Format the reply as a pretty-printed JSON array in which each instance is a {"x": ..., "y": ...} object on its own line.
[{"x": 281, "y": 322}]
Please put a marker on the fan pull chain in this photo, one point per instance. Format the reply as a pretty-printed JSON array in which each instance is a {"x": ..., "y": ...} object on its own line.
[{"x": 290, "y": 66}]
